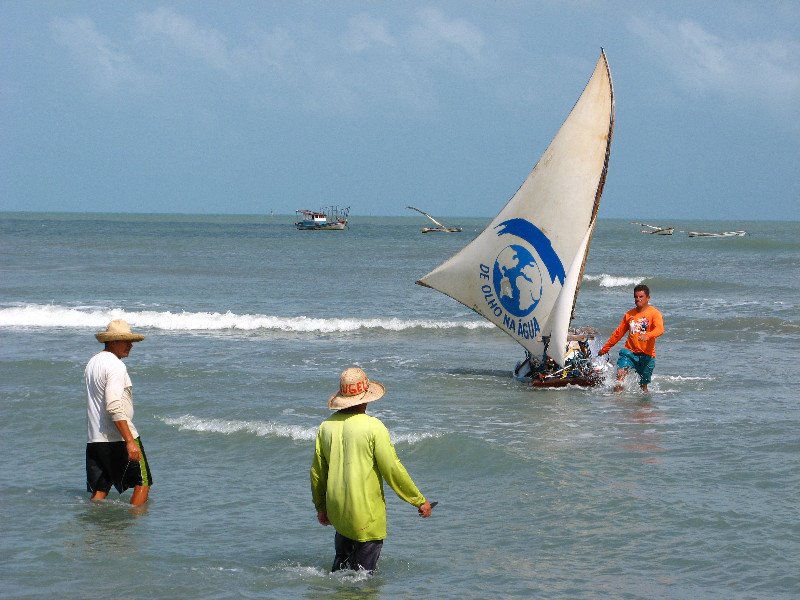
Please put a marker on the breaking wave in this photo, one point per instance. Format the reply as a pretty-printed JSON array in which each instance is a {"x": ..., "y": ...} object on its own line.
[
  {"x": 54, "y": 316},
  {"x": 605, "y": 280},
  {"x": 224, "y": 426},
  {"x": 268, "y": 429}
]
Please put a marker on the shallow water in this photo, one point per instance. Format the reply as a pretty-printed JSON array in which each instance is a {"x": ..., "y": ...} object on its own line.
[{"x": 688, "y": 492}]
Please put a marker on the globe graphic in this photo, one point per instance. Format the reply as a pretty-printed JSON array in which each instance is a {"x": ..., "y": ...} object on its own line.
[{"x": 517, "y": 280}]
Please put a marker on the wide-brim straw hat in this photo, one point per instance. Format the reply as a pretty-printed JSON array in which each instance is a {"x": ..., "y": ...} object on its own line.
[
  {"x": 355, "y": 388},
  {"x": 118, "y": 330}
]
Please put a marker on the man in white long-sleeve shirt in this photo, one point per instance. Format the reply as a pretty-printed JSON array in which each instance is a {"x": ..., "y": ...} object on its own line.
[{"x": 114, "y": 452}]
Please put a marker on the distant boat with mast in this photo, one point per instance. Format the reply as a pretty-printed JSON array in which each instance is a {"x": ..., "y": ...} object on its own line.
[
  {"x": 655, "y": 229},
  {"x": 334, "y": 218},
  {"x": 440, "y": 228}
]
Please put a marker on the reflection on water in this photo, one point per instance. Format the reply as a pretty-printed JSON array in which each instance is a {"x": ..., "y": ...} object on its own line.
[
  {"x": 105, "y": 526},
  {"x": 644, "y": 438}
]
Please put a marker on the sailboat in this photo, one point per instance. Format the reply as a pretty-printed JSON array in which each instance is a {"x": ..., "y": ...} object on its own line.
[
  {"x": 655, "y": 229},
  {"x": 523, "y": 272},
  {"x": 440, "y": 228}
]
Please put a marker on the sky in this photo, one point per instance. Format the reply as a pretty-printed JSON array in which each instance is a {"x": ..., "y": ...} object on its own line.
[{"x": 267, "y": 107}]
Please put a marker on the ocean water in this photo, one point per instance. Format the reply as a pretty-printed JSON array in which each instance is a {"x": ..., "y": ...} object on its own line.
[{"x": 690, "y": 491}]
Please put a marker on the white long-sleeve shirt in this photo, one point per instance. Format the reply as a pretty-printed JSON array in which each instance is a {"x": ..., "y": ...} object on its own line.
[{"x": 109, "y": 393}]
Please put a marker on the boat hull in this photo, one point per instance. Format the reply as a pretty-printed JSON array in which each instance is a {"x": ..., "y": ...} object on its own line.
[
  {"x": 581, "y": 370},
  {"x": 559, "y": 382},
  {"x": 723, "y": 234},
  {"x": 333, "y": 218},
  {"x": 303, "y": 226},
  {"x": 440, "y": 229}
]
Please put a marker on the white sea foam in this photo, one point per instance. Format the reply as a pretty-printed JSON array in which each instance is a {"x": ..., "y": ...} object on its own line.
[
  {"x": 306, "y": 571},
  {"x": 343, "y": 576},
  {"x": 227, "y": 427},
  {"x": 682, "y": 378},
  {"x": 413, "y": 438},
  {"x": 41, "y": 315},
  {"x": 270, "y": 429},
  {"x": 605, "y": 280}
]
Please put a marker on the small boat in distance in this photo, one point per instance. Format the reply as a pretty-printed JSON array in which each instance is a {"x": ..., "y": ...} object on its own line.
[
  {"x": 655, "y": 229},
  {"x": 739, "y": 233},
  {"x": 440, "y": 228},
  {"x": 333, "y": 218}
]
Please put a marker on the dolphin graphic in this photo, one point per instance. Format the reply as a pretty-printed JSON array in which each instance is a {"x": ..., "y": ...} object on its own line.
[{"x": 533, "y": 235}]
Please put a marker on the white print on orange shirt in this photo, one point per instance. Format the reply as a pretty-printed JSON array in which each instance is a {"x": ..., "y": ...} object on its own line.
[{"x": 638, "y": 325}]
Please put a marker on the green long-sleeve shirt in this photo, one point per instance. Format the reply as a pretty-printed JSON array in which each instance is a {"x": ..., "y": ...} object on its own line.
[{"x": 353, "y": 456}]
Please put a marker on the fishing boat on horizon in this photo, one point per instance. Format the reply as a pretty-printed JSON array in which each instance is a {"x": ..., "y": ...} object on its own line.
[
  {"x": 440, "y": 228},
  {"x": 334, "y": 218},
  {"x": 655, "y": 229},
  {"x": 738, "y": 233},
  {"x": 523, "y": 272}
]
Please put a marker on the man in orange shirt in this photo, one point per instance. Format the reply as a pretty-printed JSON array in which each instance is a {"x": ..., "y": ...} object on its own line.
[{"x": 643, "y": 325}]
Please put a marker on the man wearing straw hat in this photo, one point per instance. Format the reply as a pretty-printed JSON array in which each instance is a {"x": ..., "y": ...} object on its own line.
[
  {"x": 353, "y": 456},
  {"x": 114, "y": 453}
]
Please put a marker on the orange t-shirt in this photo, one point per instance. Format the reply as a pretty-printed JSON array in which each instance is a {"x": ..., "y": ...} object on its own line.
[{"x": 634, "y": 322}]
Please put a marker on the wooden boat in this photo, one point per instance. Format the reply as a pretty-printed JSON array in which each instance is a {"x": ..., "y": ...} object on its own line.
[
  {"x": 440, "y": 228},
  {"x": 332, "y": 219},
  {"x": 655, "y": 229},
  {"x": 739, "y": 233},
  {"x": 523, "y": 272}
]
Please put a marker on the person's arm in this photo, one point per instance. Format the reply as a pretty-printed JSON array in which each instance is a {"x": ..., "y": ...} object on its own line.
[
  {"x": 115, "y": 406},
  {"x": 134, "y": 454},
  {"x": 616, "y": 336},
  {"x": 319, "y": 483},
  {"x": 658, "y": 325},
  {"x": 395, "y": 474}
]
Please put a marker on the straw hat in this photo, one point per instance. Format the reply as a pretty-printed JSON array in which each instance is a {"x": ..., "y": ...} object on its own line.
[
  {"x": 118, "y": 330},
  {"x": 355, "y": 388}
]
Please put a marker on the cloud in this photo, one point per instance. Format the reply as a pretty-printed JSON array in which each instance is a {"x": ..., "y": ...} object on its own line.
[
  {"x": 109, "y": 68},
  {"x": 205, "y": 44},
  {"x": 760, "y": 72},
  {"x": 370, "y": 59},
  {"x": 365, "y": 32},
  {"x": 454, "y": 41}
]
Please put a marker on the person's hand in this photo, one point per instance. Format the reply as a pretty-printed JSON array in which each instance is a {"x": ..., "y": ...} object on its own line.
[
  {"x": 322, "y": 517},
  {"x": 134, "y": 454},
  {"x": 425, "y": 509}
]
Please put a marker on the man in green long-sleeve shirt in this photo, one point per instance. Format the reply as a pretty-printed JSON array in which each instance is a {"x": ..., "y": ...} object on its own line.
[{"x": 352, "y": 458}]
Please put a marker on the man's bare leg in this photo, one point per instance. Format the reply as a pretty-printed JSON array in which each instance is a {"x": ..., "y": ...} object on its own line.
[
  {"x": 621, "y": 373},
  {"x": 139, "y": 495},
  {"x": 98, "y": 496}
]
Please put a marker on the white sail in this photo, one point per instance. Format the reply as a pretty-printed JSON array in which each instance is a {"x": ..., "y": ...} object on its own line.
[
  {"x": 558, "y": 324},
  {"x": 514, "y": 271},
  {"x": 435, "y": 222}
]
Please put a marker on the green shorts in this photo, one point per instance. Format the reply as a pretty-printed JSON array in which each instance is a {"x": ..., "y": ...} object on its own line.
[{"x": 643, "y": 364}]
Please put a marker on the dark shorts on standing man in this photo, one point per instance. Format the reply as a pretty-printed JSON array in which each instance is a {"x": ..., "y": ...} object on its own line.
[
  {"x": 643, "y": 364},
  {"x": 107, "y": 464},
  {"x": 358, "y": 556}
]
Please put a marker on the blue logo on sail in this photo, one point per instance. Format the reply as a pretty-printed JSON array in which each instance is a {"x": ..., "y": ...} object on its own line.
[{"x": 516, "y": 276}]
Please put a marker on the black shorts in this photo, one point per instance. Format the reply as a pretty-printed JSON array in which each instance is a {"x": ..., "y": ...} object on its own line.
[
  {"x": 107, "y": 464},
  {"x": 354, "y": 555}
]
